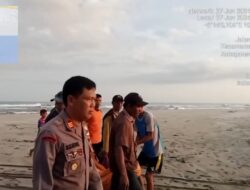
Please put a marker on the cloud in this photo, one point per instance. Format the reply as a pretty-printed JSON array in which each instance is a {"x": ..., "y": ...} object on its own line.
[
  {"x": 67, "y": 29},
  {"x": 122, "y": 45},
  {"x": 187, "y": 73},
  {"x": 180, "y": 34}
]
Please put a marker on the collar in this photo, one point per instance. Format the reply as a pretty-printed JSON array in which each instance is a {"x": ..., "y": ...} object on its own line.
[
  {"x": 69, "y": 123},
  {"x": 129, "y": 117}
]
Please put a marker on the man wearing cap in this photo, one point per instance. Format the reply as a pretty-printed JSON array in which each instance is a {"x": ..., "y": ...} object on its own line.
[
  {"x": 122, "y": 153},
  {"x": 62, "y": 158},
  {"x": 109, "y": 117},
  {"x": 59, "y": 106},
  {"x": 151, "y": 156}
]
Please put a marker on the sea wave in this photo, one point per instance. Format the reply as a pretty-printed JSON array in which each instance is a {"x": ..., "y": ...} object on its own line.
[
  {"x": 20, "y": 105},
  {"x": 23, "y": 107},
  {"x": 34, "y": 107}
]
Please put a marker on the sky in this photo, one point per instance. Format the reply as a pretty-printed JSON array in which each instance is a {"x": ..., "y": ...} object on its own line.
[
  {"x": 154, "y": 47},
  {"x": 8, "y": 34}
]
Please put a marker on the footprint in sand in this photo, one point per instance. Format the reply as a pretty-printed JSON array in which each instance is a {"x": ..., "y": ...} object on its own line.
[
  {"x": 180, "y": 175},
  {"x": 208, "y": 186},
  {"x": 184, "y": 183},
  {"x": 11, "y": 185},
  {"x": 12, "y": 125},
  {"x": 198, "y": 170},
  {"x": 248, "y": 141},
  {"x": 229, "y": 157},
  {"x": 191, "y": 165},
  {"x": 216, "y": 155},
  {"x": 8, "y": 154},
  {"x": 190, "y": 172}
]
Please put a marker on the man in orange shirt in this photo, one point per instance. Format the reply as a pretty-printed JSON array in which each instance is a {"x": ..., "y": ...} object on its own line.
[{"x": 95, "y": 127}]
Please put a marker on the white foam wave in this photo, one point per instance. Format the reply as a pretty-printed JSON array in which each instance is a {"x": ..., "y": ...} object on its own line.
[{"x": 20, "y": 105}]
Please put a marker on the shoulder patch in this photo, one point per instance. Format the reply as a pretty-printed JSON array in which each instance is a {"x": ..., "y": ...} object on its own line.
[
  {"x": 70, "y": 124},
  {"x": 49, "y": 138}
]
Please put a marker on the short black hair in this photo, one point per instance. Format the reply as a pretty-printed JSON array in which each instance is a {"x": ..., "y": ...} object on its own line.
[
  {"x": 98, "y": 95},
  {"x": 75, "y": 85},
  {"x": 42, "y": 111}
]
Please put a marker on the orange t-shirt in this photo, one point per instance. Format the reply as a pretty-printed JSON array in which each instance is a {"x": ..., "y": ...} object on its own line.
[{"x": 95, "y": 127}]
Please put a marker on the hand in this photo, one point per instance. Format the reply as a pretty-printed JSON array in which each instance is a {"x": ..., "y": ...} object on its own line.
[
  {"x": 137, "y": 141},
  {"x": 124, "y": 183}
]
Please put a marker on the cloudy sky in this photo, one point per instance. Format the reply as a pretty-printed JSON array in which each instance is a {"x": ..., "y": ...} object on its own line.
[{"x": 154, "y": 47}]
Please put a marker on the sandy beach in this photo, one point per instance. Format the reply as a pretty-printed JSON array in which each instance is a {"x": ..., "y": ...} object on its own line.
[{"x": 206, "y": 149}]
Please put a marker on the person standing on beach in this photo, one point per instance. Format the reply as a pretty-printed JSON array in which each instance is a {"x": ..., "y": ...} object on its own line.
[
  {"x": 62, "y": 152},
  {"x": 41, "y": 121},
  {"x": 109, "y": 117},
  {"x": 59, "y": 106},
  {"x": 122, "y": 153},
  {"x": 151, "y": 156},
  {"x": 95, "y": 127}
]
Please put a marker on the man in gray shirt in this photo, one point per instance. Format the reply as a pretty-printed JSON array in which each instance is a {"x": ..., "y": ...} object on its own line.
[{"x": 62, "y": 158}]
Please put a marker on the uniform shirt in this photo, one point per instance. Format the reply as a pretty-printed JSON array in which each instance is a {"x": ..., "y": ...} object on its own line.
[
  {"x": 145, "y": 124},
  {"x": 95, "y": 127},
  {"x": 106, "y": 129},
  {"x": 123, "y": 134},
  {"x": 61, "y": 158}
]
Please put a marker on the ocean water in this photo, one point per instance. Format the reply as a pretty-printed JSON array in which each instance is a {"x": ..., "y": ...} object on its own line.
[
  {"x": 34, "y": 107},
  {"x": 24, "y": 107}
]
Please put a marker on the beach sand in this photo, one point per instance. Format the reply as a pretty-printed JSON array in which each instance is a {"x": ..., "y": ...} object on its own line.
[{"x": 206, "y": 149}]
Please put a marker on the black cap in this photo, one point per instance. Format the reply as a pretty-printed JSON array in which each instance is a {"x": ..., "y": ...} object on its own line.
[
  {"x": 134, "y": 98},
  {"x": 58, "y": 97},
  {"x": 117, "y": 98}
]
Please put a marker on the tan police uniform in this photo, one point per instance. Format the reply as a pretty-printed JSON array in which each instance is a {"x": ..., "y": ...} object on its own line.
[{"x": 61, "y": 158}]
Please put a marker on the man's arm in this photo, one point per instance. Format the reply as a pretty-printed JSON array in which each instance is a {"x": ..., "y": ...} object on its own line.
[
  {"x": 148, "y": 137},
  {"x": 106, "y": 134},
  {"x": 120, "y": 161},
  {"x": 95, "y": 181},
  {"x": 43, "y": 161},
  {"x": 149, "y": 120}
]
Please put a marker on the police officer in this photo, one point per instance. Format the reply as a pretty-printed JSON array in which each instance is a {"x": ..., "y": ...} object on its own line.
[{"x": 61, "y": 159}]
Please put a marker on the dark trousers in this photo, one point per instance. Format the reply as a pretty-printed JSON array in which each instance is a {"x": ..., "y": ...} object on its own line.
[
  {"x": 98, "y": 149},
  {"x": 134, "y": 183}
]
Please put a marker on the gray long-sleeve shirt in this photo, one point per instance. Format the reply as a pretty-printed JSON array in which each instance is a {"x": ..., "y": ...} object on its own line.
[{"x": 61, "y": 157}]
